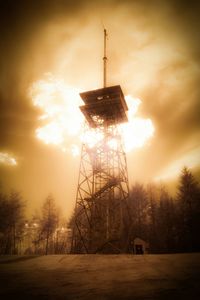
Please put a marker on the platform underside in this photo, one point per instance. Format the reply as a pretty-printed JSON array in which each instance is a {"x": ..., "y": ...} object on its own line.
[{"x": 105, "y": 105}]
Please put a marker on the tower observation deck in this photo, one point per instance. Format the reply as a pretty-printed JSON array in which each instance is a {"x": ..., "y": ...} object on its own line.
[
  {"x": 102, "y": 191},
  {"x": 107, "y": 104}
]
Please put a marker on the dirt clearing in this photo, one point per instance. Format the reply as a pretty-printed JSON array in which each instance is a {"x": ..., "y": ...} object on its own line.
[{"x": 175, "y": 276}]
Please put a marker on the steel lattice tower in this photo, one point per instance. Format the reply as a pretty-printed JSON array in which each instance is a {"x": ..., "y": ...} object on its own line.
[{"x": 103, "y": 179}]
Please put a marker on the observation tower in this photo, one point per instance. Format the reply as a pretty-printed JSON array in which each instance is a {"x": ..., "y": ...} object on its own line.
[{"x": 102, "y": 192}]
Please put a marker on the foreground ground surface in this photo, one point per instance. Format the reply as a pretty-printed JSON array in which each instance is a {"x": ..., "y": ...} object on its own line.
[{"x": 175, "y": 276}]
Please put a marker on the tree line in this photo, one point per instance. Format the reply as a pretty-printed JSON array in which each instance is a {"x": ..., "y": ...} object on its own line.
[
  {"x": 168, "y": 224},
  {"x": 44, "y": 233}
]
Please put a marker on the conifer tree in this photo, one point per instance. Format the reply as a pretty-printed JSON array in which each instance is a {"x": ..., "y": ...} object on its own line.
[{"x": 189, "y": 211}]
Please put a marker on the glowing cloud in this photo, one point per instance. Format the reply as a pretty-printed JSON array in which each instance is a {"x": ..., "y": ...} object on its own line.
[
  {"x": 50, "y": 133},
  {"x": 137, "y": 131},
  {"x": 190, "y": 159},
  {"x": 7, "y": 159},
  {"x": 61, "y": 118},
  {"x": 59, "y": 105}
]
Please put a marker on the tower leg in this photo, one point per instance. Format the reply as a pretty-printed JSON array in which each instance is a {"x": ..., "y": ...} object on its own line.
[{"x": 101, "y": 195}]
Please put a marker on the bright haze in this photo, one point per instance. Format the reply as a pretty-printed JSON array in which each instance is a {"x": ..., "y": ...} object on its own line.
[{"x": 52, "y": 50}]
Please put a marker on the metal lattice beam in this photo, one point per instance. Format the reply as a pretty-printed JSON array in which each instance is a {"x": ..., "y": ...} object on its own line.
[{"x": 101, "y": 195}]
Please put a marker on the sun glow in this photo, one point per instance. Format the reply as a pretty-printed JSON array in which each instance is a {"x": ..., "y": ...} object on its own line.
[
  {"x": 61, "y": 119},
  {"x": 91, "y": 137}
]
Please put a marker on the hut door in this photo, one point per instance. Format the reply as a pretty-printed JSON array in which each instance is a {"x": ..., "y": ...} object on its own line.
[{"x": 139, "y": 249}]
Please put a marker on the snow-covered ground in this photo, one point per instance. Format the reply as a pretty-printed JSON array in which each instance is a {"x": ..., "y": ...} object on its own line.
[{"x": 175, "y": 276}]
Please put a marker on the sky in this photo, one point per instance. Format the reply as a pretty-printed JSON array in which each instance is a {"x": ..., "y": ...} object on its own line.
[{"x": 153, "y": 53}]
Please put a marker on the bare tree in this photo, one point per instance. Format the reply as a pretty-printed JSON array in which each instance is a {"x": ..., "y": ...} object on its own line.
[
  {"x": 49, "y": 221},
  {"x": 138, "y": 205},
  {"x": 11, "y": 222},
  {"x": 166, "y": 216},
  {"x": 153, "y": 206}
]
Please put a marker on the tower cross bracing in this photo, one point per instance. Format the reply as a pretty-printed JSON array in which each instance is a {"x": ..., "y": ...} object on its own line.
[{"x": 102, "y": 191}]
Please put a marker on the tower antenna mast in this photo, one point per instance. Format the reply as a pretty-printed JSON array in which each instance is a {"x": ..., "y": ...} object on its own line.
[{"x": 105, "y": 60}]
